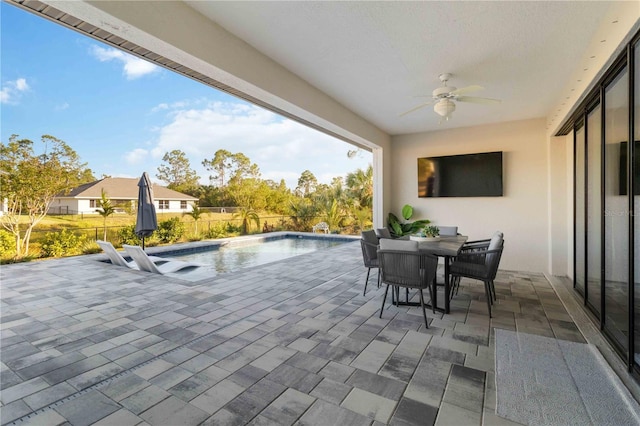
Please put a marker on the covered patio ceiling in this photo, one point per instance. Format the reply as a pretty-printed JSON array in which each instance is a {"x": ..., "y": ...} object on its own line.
[
  {"x": 374, "y": 59},
  {"x": 377, "y": 58}
]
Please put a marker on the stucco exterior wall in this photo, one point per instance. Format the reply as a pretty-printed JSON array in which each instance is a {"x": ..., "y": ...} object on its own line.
[
  {"x": 83, "y": 206},
  {"x": 522, "y": 213}
]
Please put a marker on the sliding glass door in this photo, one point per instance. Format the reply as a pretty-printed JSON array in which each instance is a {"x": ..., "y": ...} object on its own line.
[
  {"x": 606, "y": 132},
  {"x": 616, "y": 207},
  {"x": 594, "y": 210},
  {"x": 580, "y": 226},
  {"x": 635, "y": 204}
]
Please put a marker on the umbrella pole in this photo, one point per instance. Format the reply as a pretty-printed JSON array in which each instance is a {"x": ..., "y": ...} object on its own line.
[{"x": 142, "y": 243}]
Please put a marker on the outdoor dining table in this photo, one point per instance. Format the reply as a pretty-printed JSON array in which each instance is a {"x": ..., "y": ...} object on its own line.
[{"x": 445, "y": 247}]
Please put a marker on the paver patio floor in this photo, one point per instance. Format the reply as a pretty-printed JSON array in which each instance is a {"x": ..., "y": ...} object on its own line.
[{"x": 292, "y": 342}]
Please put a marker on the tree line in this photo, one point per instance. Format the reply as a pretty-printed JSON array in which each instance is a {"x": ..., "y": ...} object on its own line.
[
  {"x": 236, "y": 181},
  {"x": 30, "y": 178}
]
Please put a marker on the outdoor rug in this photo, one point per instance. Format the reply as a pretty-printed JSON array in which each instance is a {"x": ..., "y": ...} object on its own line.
[{"x": 545, "y": 381}]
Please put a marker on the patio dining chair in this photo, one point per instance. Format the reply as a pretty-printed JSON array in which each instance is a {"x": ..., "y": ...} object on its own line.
[
  {"x": 480, "y": 262},
  {"x": 402, "y": 265},
  {"x": 448, "y": 231},
  {"x": 369, "y": 244},
  {"x": 470, "y": 247},
  {"x": 385, "y": 233}
]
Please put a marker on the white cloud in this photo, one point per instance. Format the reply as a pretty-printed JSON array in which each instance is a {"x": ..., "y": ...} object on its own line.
[
  {"x": 62, "y": 106},
  {"x": 282, "y": 148},
  {"x": 133, "y": 67},
  {"x": 21, "y": 84},
  {"x": 165, "y": 106},
  {"x": 5, "y": 95},
  {"x": 12, "y": 90},
  {"x": 137, "y": 156}
]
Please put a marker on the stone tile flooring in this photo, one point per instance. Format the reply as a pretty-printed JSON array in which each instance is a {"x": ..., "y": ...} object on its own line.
[{"x": 293, "y": 342}]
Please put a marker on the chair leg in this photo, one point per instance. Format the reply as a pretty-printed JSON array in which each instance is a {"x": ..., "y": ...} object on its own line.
[
  {"x": 456, "y": 285},
  {"x": 493, "y": 289},
  {"x": 366, "y": 282},
  {"x": 487, "y": 291},
  {"x": 424, "y": 313},
  {"x": 378, "y": 277},
  {"x": 407, "y": 295},
  {"x": 433, "y": 308},
  {"x": 384, "y": 299}
]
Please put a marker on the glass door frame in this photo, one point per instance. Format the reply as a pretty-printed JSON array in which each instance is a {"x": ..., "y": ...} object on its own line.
[{"x": 626, "y": 60}]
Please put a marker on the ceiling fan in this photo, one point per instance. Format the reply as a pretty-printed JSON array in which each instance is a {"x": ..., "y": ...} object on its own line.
[{"x": 443, "y": 98}]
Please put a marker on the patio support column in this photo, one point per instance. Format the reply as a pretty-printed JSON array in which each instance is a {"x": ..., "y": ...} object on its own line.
[{"x": 559, "y": 204}]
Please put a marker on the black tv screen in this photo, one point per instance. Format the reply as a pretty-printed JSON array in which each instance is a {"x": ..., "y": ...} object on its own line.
[
  {"x": 623, "y": 169},
  {"x": 469, "y": 175}
]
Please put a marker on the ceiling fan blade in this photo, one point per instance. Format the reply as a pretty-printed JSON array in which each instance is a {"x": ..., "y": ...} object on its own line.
[
  {"x": 468, "y": 89},
  {"x": 475, "y": 100},
  {"x": 415, "y": 108}
]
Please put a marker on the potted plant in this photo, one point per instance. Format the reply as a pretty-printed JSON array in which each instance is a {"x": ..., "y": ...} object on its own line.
[
  {"x": 398, "y": 229},
  {"x": 428, "y": 233}
]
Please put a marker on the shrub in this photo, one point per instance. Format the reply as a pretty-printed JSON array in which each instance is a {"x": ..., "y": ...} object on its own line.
[
  {"x": 218, "y": 230},
  {"x": 170, "y": 231},
  {"x": 63, "y": 243},
  {"x": 127, "y": 235},
  {"x": 233, "y": 229},
  {"x": 194, "y": 237},
  {"x": 7, "y": 244}
]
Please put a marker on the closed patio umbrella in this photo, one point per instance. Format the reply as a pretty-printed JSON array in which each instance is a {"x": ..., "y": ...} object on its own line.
[{"x": 146, "y": 220}]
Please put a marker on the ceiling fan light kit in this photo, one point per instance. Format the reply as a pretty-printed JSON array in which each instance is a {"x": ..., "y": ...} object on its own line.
[
  {"x": 442, "y": 98},
  {"x": 444, "y": 108}
]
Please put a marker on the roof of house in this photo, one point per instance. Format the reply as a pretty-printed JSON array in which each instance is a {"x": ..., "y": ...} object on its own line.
[{"x": 123, "y": 189}]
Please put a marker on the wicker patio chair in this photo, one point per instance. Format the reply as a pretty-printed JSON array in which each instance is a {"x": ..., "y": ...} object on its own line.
[
  {"x": 369, "y": 244},
  {"x": 480, "y": 263},
  {"x": 448, "y": 231},
  {"x": 383, "y": 233},
  {"x": 402, "y": 265},
  {"x": 474, "y": 246}
]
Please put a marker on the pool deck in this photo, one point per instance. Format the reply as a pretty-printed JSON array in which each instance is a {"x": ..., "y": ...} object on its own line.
[{"x": 291, "y": 342}]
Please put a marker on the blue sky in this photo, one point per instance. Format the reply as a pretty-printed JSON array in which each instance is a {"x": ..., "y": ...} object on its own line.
[{"x": 122, "y": 114}]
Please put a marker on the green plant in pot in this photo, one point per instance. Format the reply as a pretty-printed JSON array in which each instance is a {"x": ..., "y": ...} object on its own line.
[
  {"x": 430, "y": 232},
  {"x": 399, "y": 229}
]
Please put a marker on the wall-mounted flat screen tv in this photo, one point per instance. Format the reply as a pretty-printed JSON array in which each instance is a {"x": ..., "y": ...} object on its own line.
[{"x": 468, "y": 175}]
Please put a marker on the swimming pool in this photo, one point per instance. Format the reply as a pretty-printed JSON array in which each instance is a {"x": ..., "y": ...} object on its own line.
[{"x": 234, "y": 255}]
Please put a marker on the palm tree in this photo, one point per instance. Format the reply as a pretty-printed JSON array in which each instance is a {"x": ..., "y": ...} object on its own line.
[
  {"x": 196, "y": 213},
  {"x": 247, "y": 214},
  {"x": 303, "y": 212},
  {"x": 333, "y": 215},
  {"x": 106, "y": 209},
  {"x": 360, "y": 185}
]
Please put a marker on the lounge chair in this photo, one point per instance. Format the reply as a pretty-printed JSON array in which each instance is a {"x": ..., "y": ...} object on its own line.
[
  {"x": 145, "y": 263},
  {"x": 322, "y": 226},
  {"x": 116, "y": 258}
]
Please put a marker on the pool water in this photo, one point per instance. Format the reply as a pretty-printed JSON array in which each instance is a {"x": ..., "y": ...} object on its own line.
[{"x": 234, "y": 257}]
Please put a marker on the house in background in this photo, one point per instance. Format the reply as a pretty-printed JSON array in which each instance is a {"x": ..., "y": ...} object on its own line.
[{"x": 123, "y": 192}]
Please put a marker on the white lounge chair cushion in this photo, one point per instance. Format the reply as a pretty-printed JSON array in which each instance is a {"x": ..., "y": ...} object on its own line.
[
  {"x": 116, "y": 258},
  {"x": 145, "y": 264}
]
